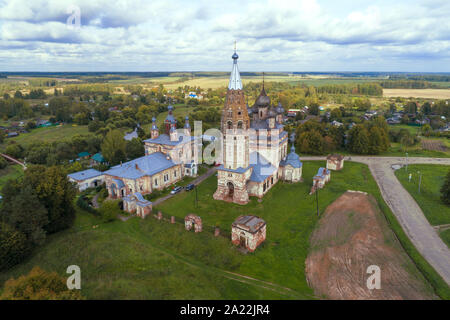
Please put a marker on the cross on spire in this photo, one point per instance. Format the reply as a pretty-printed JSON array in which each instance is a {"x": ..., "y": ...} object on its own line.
[{"x": 263, "y": 79}]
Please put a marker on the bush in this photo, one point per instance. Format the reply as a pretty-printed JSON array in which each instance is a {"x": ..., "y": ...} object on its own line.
[
  {"x": 109, "y": 210},
  {"x": 3, "y": 163},
  {"x": 39, "y": 285}
]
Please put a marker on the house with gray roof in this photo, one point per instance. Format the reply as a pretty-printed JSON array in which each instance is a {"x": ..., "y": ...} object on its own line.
[{"x": 89, "y": 178}]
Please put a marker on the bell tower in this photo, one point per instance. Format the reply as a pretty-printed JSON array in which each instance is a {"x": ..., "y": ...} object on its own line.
[{"x": 235, "y": 122}]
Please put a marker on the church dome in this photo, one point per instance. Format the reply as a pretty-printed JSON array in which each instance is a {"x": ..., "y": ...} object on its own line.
[
  {"x": 263, "y": 100},
  {"x": 280, "y": 108}
]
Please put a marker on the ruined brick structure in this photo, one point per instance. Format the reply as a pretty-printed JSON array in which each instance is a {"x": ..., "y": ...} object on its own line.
[
  {"x": 135, "y": 203},
  {"x": 248, "y": 232},
  {"x": 193, "y": 221},
  {"x": 335, "y": 162}
]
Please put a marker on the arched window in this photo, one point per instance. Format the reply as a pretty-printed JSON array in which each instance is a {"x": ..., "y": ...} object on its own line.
[
  {"x": 230, "y": 125},
  {"x": 239, "y": 125}
]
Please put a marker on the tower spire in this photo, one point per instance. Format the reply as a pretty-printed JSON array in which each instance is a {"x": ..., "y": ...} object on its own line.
[
  {"x": 235, "y": 77},
  {"x": 263, "y": 80}
]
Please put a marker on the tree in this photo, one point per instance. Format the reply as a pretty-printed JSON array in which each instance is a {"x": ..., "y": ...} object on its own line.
[
  {"x": 15, "y": 150},
  {"x": 358, "y": 139},
  {"x": 114, "y": 147},
  {"x": 427, "y": 130},
  {"x": 377, "y": 142},
  {"x": 18, "y": 95},
  {"x": 55, "y": 192},
  {"x": 445, "y": 190},
  {"x": 39, "y": 285},
  {"x": 310, "y": 142},
  {"x": 335, "y": 114},
  {"x": 426, "y": 108},
  {"x": 135, "y": 148},
  {"x": 314, "y": 109},
  {"x": 3, "y": 163},
  {"x": 109, "y": 210},
  {"x": 411, "y": 107},
  {"x": 13, "y": 246},
  {"x": 24, "y": 212}
]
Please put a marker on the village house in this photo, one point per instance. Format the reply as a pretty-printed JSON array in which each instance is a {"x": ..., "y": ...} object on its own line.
[
  {"x": 89, "y": 178},
  {"x": 248, "y": 232},
  {"x": 335, "y": 162},
  {"x": 98, "y": 159}
]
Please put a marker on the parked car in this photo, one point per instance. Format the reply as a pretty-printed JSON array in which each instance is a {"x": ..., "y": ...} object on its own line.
[
  {"x": 189, "y": 187},
  {"x": 176, "y": 190}
]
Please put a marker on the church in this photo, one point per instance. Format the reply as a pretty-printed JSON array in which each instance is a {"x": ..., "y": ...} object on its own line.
[{"x": 255, "y": 145}]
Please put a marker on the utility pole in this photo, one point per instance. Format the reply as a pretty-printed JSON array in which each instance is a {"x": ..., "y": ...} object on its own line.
[
  {"x": 317, "y": 201},
  {"x": 196, "y": 197},
  {"x": 420, "y": 179},
  {"x": 406, "y": 161}
]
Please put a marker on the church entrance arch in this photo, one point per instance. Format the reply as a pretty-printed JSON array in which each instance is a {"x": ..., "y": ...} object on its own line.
[{"x": 230, "y": 187}]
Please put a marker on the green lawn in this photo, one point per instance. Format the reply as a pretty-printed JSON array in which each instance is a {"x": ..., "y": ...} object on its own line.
[
  {"x": 429, "y": 197},
  {"x": 50, "y": 134},
  {"x": 10, "y": 172},
  {"x": 445, "y": 235},
  {"x": 149, "y": 259}
]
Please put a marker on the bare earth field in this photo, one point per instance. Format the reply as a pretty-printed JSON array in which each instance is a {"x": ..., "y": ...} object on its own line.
[
  {"x": 352, "y": 235},
  {"x": 417, "y": 93},
  {"x": 433, "y": 145}
]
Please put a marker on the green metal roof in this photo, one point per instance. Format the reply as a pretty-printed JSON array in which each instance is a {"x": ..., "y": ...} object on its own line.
[{"x": 98, "y": 157}]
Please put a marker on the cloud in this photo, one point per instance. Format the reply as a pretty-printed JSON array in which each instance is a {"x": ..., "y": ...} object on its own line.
[{"x": 276, "y": 35}]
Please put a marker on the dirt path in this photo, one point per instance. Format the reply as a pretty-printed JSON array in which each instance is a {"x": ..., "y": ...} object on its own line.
[
  {"x": 13, "y": 160},
  {"x": 408, "y": 213},
  {"x": 353, "y": 235}
]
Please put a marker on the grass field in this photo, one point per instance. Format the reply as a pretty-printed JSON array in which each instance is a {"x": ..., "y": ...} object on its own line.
[
  {"x": 50, "y": 134},
  {"x": 149, "y": 259},
  {"x": 429, "y": 197},
  {"x": 10, "y": 172},
  {"x": 417, "y": 93},
  {"x": 445, "y": 235}
]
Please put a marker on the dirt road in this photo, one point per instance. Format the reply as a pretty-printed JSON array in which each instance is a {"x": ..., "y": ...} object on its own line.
[{"x": 408, "y": 213}]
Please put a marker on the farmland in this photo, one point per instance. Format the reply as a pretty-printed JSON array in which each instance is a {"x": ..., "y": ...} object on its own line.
[
  {"x": 418, "y": 93},
  {"x": 50, "y": 134}
]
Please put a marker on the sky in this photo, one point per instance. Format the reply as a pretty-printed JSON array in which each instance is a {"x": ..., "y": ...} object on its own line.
[{"x": 273, "y": 35}]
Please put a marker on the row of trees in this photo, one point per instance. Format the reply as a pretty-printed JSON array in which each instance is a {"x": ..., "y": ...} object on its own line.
[
  {"x": 371, "y": 137},
  {"x": 39, "y": 204}
]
